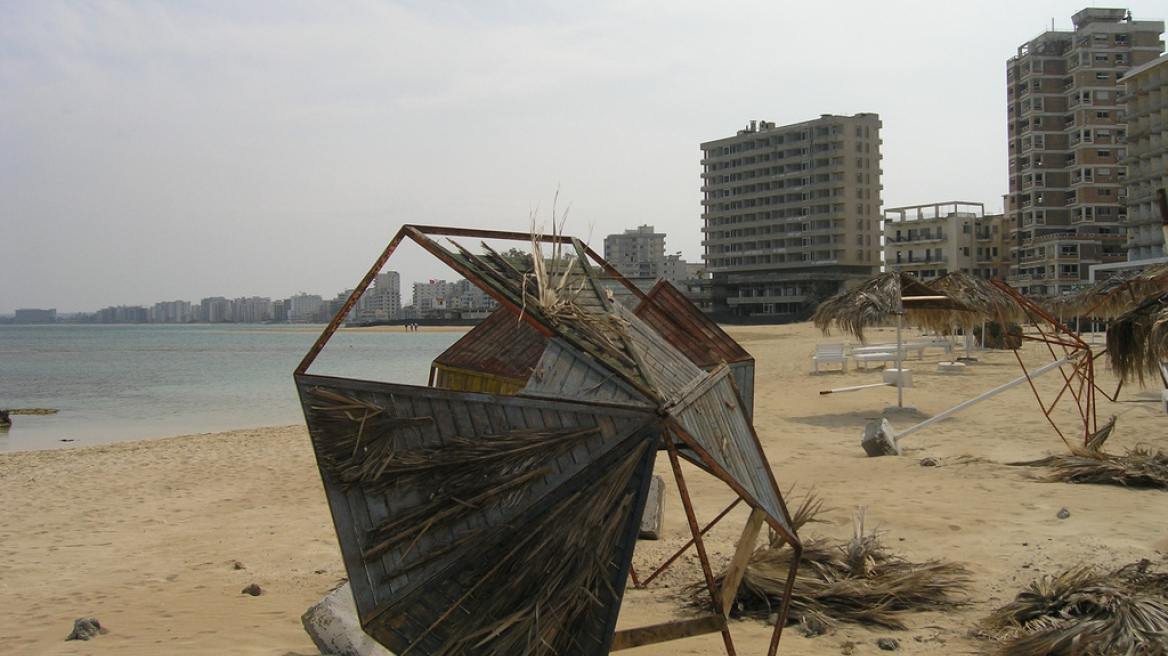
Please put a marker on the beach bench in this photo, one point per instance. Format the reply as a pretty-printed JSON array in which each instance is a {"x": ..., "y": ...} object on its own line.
[
  {"x": 828, "y": 353},
  {"x": 884, "y": 353}
]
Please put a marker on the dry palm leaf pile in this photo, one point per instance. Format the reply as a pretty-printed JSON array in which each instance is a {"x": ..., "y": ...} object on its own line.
[
  {"x": 1087, "y": 611},
  {"x": 858, "y": 580},
  {"x": 1138, "y": 467}
]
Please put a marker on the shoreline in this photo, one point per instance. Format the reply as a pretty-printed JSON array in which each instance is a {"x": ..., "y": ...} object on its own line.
[{"x": 144, "y": 535}]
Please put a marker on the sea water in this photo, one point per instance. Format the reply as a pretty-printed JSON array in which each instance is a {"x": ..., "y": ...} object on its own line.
[{"x": 127, "y": 382}]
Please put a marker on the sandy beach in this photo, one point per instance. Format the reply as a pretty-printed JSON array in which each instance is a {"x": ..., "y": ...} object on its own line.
[{"x": 157, "y": 539}]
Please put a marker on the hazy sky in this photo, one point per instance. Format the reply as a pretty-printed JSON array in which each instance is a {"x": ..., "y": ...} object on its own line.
[{"x": 157, "y": 151}]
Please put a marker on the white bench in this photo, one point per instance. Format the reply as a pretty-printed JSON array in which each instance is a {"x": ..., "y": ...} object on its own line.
[
  {"x": 875, "y": 353},
  {"x": 828, "y": 353}
]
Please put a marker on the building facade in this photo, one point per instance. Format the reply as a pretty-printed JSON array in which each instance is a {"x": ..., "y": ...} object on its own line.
[
  {"x": 928, "y": 241},
  {"x": 791, "y": 214},
  {"x": 1066, "y": 145},
  {"x": 1145, "y": 102},
  {"x": 641, "y": 254}
]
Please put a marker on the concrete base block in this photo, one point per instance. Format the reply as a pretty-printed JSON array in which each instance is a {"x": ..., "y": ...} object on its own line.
[
  {"x": 951, "y": 367},
  {"x": 653, "y": 519},
  {"x": 905, "y": 375},
  {"x": 1164, "y": 400},
  {"x": 335, "y": 629}
]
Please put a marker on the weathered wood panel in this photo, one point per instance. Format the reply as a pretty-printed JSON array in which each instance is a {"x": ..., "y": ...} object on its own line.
[
  {"x": 575, "y": 485},
  {"x": 711, "y": 418},
  {"x": 564, "y": 372}
]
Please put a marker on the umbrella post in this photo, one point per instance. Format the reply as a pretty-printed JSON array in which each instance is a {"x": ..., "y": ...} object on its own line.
[{"x": 899, "y": 362}]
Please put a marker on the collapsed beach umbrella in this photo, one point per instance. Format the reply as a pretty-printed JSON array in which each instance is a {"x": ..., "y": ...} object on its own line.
[
  {"x": 496, "y": 511},
  {"x": 891, "y": 296}
]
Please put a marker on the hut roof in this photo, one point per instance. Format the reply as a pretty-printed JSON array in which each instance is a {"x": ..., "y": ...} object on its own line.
[
  {"x": 502, "y": 344},
  {"x": 688, "y": 329}
]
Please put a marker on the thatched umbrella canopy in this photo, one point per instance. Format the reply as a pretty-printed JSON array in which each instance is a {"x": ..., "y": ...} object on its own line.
[
  {"x": 1107, "y": 299},
  {"x": 886, "y": 297},
  {"x": 1137, "y": 340},
  {"x": 878, "y": 300},
  {"x": 988, "y": 302}
]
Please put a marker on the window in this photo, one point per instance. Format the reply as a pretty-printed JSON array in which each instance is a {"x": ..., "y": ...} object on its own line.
[
  {"x": 1103, "y": 153},
  {"x": 1100, "y": 56},
  {"x": 1102, "y": 114},
  {"x": 1102, "y": 95},
  {"x": 1101, "y": 76},
  {"x": 1104, "y": 192}
]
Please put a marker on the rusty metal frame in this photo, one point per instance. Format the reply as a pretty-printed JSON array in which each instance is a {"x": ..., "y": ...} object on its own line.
[
  {"x": 1079, "y": 384},
  {"x": 421, "y": 234}
]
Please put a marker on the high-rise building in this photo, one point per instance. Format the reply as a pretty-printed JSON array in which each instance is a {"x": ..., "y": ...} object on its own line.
[
  {"x": 383, "y": 301},
  {"x": 641, "y": 254},
  {"x": 928, "y": 241},
  {"x": 1145, "y": 99},
  {"x": 791, "y": 214},
  {"x": 1066, "y": 146}
]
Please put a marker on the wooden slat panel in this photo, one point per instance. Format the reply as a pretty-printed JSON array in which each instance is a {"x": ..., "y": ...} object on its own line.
[{"x": 651, "y": 635}]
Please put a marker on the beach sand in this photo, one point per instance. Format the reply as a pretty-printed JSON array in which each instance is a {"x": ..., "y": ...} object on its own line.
[{"x": 145, "y": 536}]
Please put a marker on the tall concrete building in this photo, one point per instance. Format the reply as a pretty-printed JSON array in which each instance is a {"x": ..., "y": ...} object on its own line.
[
  {"x": 1145, "y": 99},
  {"x": 791, "y": 214},
  {"x": 640, "y": 253},
  {"x": 1066, "y": 146},
  {"x": 928, "y": 241}
]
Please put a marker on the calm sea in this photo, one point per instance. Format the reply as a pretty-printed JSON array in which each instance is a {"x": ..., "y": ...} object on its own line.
[{"x": 115, "y": 383}]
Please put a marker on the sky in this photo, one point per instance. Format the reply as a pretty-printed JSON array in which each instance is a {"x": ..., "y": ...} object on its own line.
[{"x": 157, "y": 151}]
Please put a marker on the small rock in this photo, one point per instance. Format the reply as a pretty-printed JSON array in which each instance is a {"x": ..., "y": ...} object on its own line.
[
  {"x": 888, "y": 644},
  {"x": 237, "y": 565},
  {"x": 253, "y": 590},
  {"x": 84, "y": 629},
  {"x": 930, "y": 462},
  {"x": 774, "y": 617},
  {"x": 1063, "y": 513},
  {"x": 848, "y": 648},
  {"x": 812, "y": 626}
]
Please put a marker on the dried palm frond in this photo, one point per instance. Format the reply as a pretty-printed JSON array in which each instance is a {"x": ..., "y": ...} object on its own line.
[
  {"x": 1137, "y": 340},
  {"x": 988, "y": 302},
  {"x": 1139, "y": 467},
  {"x": 1112, "y": 296},
  {"x": 857, "y": 580},
  {"x": 1085, "y": 610},
  {"x": 880, "y": 299}
]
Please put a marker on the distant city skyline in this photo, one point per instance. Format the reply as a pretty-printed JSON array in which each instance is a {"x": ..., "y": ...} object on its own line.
[{"x": 156, "y": 150}]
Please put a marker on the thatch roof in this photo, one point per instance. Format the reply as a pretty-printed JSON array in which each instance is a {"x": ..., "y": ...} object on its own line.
[
  {"x": 878, "y": 300},
  {"x": 1108, "y": 298},
  {"x": 1137, "y": 340},
  {"x": 991, "y": 303}
]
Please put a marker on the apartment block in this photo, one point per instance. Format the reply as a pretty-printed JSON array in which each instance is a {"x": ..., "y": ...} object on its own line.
[
  {"x": 928, "y": 241},
  {"x": 1145, "y": 102},
  {"x": 791, "y": 214},
  {"x": 641, "y": 254},
  {"x": 1067, "y": 145}
]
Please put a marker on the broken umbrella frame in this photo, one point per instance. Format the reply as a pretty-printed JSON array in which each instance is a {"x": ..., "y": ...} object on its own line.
[{"x": 610, "y": 387}]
